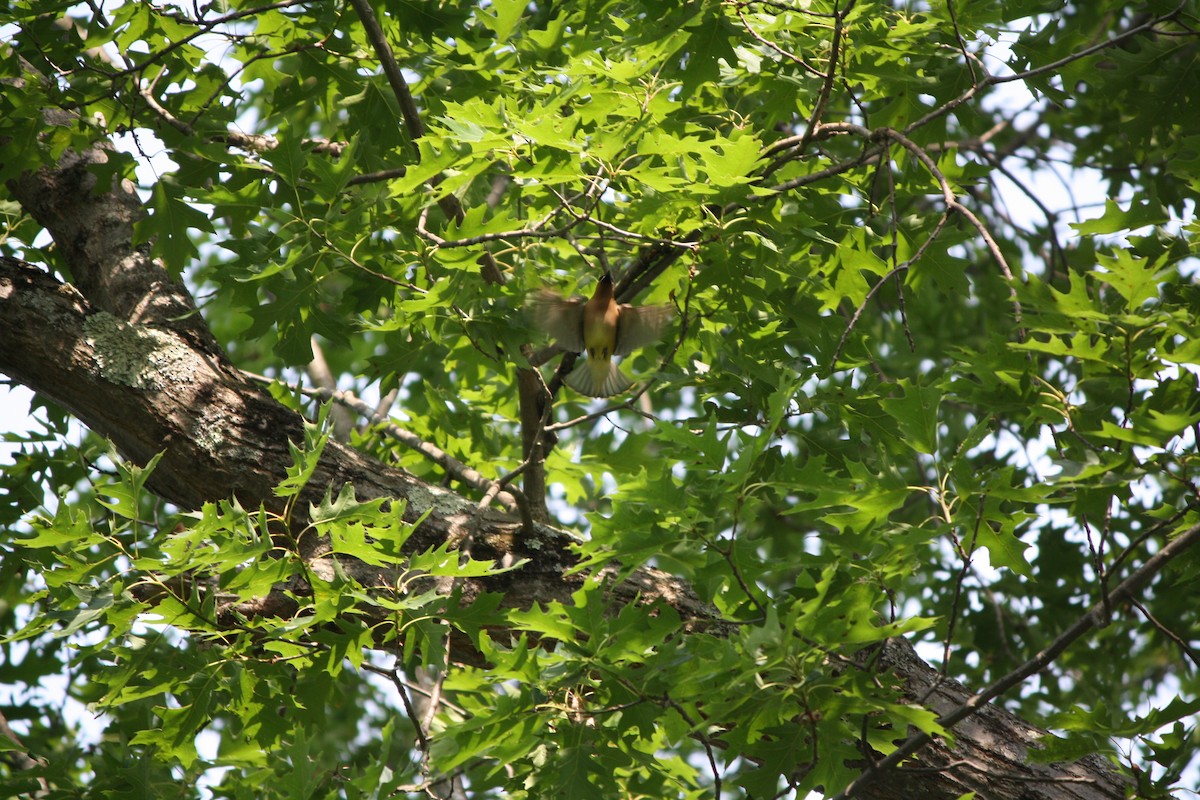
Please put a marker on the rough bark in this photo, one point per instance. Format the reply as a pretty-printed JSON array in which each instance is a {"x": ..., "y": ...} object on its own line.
[
  {"x": 991, "y": 752},
  {"x": 124, "y": 348}
]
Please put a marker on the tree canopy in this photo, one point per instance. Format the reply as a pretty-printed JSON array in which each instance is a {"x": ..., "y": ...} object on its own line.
[{"x": 902, "y": 504}]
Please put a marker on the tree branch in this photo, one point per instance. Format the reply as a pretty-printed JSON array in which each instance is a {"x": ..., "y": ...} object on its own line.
[{"x": 1096, "y": 617}]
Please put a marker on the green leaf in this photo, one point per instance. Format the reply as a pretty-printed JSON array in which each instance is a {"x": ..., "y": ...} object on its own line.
[
  {"x": 127, "y": 492},
  {"x": 1136, "y": 279},
  {"x": 306, "y": 458},
  {"x": 1141, "y": 212},
  {"x": 916, "y": 414}
]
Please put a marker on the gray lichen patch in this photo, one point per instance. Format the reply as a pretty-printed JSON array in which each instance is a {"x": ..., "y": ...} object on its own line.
[
  {"x": 136, "y": 355},
  {"x": 433, "y": 498},
  {"x": 209, "y": 431}
]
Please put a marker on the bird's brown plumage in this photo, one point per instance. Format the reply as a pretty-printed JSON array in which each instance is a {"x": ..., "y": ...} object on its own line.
[{"x": 601, "y": 327}]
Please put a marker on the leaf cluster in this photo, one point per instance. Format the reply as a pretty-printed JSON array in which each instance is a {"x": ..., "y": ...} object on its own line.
[{"x": 911, "y": 394}]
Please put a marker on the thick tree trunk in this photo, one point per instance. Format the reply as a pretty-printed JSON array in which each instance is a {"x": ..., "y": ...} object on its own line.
[{"x": 125, "y": 350}]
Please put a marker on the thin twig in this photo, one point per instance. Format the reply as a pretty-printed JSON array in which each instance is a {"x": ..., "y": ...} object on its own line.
[
  {"x": 422, "y": 739},
  {"x": 457, "y": 469},
  {"x": 962, "y": 45},
  {"x": 320, "y": 374},
  {"x": 809, "y": 68},
  {"x": 951, "y": 200},
  {"x": 900, "y": 268},
  {"x": 381, "y": 175},
  {"x": 449, "y": 203},
  {"x": 835, "y": 44},
  {"x": 391, "y": 70},
  {"x": 1179, "y": 641},
  {"x": 966, "y": 555}
]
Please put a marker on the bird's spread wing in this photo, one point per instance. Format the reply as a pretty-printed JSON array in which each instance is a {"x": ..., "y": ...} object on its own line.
[
  {"x": 638, "y": 326},
  {"x": 561, "y": 319}
]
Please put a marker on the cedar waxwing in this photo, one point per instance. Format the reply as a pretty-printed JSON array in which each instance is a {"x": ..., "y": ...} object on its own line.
[{"x": 601, "y": 327}]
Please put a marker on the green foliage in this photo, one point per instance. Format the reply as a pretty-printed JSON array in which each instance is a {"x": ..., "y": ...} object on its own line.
[{"x": 883, "y": 416}]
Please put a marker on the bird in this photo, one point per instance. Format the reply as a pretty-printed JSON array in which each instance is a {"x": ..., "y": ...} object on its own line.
[{"x": 603, "y": 328}]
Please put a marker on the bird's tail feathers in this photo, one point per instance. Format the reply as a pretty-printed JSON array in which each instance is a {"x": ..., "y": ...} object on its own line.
[{"x": 597, "y": 377}]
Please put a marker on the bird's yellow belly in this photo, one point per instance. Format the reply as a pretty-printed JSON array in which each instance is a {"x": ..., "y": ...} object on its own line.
[{"x": 600, "y": 336}]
